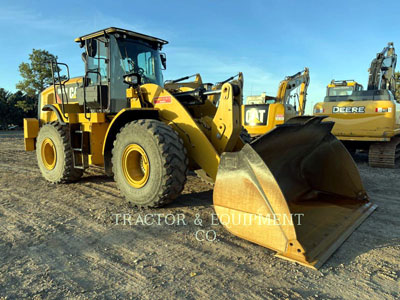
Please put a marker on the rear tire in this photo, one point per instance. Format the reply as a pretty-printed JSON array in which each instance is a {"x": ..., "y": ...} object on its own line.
[
  {"x": 54, "y": 154},
  {"x": 149, "y": 163}
]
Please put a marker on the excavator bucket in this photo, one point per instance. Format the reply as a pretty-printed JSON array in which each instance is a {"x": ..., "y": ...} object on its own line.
[{"x": 295, "y": 190}]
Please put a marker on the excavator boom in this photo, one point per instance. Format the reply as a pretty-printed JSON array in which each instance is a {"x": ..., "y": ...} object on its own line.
[
  {"x": 382, "y": 69},
  {"x": 300, "y": 79}
]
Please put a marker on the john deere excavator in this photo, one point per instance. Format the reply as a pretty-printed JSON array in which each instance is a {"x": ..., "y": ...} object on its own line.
[
  {"x": 262, "y": 113},
  {"x": 367, "y": 120},
  {"x": 120, "y": 117}
]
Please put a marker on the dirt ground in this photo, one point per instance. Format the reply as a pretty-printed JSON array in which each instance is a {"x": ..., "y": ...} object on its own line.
[{"x": 63, "y": 241}]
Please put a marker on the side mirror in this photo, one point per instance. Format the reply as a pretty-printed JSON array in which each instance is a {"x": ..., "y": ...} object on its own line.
[
  {"x": 163, "y": 58},
  {"x": 91, "y": 47},
  {"x": 84, "y": 57}
]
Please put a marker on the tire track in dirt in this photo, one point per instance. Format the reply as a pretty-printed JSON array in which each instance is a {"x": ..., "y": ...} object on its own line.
[
  {"x": 66, "y": 243},
  {"x": 58, "y": 203},
  {"x": 76, "y": 242},
  {"x": 148, "y": 246}
]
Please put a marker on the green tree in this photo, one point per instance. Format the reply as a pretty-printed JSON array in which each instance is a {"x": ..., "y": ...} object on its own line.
[
  {"x": 16, "y": 114},
  {"x": 4, "y": 96},
  {"x": 10, "y": 113},
  {"x": 27, "y": 104},
  {"x": 36, "y": 75}
]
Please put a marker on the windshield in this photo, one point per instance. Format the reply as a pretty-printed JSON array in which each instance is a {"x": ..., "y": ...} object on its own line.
[
  {"x": 340, "y": 91},
  {"x": 138, "y": 57}
]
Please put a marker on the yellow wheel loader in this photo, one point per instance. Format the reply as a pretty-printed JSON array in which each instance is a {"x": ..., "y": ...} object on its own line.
[
  {"x": 367, "y": 120},
  {"x": 262, "y": 113},
  {"x": 120, "y": 117}
]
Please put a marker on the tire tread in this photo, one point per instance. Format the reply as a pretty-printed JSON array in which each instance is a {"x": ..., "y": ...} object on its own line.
[{"x": 173, "y": 155}]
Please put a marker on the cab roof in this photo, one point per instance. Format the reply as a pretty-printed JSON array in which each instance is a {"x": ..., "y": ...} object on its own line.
[
  {"x": 348, "y": 82},
  {"x": 111, "y": 30}
]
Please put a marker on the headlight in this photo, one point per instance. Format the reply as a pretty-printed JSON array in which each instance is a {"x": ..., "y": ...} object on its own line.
[
  {"x": 132, "y": 79},
  {"x": 319, "y": 110}
]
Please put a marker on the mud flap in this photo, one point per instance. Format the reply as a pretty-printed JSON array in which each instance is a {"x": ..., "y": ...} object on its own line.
[{"x": 295, "y": 190}]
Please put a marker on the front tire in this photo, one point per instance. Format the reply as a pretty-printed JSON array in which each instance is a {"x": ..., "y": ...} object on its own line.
[{"x": 149, "y": 163}]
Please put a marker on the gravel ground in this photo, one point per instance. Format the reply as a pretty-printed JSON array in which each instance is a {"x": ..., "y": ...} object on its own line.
[{"x": 63, "y": 241}]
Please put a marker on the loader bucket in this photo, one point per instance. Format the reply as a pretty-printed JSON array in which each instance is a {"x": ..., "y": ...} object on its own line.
[{"x": 295, "y": 190}]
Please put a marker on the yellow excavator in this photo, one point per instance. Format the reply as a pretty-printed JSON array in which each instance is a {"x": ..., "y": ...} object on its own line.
[
  {"x": 119, "y": 116},
  {"x": 262, "y": 113},
  {"x": 367, "y": 120}
]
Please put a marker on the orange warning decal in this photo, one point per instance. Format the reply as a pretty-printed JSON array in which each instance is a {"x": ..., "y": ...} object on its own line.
[{"x": 162, "y": 100}]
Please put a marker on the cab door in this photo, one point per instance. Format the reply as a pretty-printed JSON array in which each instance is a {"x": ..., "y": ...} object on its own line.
[{"x": 95, "y": 91}]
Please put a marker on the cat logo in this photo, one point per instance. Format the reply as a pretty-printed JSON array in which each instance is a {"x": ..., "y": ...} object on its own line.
[
  {"x": 68, "y": 93},
  {"x": 255, "y": 116}
]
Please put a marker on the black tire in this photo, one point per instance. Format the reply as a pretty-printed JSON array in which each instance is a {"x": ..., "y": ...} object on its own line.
[
  {"x": 166, "y": 155},
  {"x": 245, "y": 136},
  {"x": 63, "y": 170}
]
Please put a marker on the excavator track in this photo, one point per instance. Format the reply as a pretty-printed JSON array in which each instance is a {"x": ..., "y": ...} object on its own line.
[{"x": 384, "y": 154}]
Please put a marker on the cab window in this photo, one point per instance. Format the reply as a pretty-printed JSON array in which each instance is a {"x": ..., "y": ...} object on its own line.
[
  {"x": 340, "y": 91},
  {"x": 97, "y": 65}
]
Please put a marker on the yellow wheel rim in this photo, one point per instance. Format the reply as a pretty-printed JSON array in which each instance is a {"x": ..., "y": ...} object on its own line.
[
  {"x": 135, "y": 165},
  {"x": 49, "y": 154}
]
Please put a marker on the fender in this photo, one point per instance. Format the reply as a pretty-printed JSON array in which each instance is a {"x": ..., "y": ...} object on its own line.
[
  {"x": 126, "y": 115},
  {"x": 50, "y": 107}
]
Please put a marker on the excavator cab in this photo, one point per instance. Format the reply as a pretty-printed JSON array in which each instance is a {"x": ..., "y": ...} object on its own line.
[{"x": 338, "y": 88}]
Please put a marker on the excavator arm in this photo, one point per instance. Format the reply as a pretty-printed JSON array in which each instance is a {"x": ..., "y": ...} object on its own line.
[
  {"x": 290, "y": 83},
  {"x": 382, "y": 69}
]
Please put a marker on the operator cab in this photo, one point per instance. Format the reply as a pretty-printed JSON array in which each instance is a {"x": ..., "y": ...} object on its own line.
[
  {"x": 109, "y": 56},
  {"x": 340, "y": 90},
  {"x": 350, "y": 90}
]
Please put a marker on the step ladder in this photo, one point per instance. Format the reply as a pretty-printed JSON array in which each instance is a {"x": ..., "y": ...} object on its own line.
[{"x": 81, "y": 148}]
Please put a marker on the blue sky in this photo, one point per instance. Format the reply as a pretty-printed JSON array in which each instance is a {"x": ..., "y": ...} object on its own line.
[{"x": 266, "y": 40}]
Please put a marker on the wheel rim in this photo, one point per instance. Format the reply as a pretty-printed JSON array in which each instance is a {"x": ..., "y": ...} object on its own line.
[
  {"x": 135, "y": 165},
  {"x": 49, "y": 154}
]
